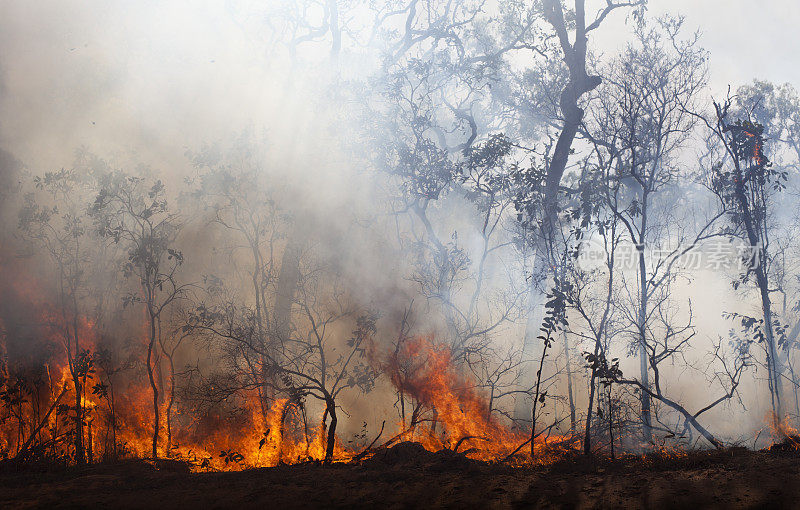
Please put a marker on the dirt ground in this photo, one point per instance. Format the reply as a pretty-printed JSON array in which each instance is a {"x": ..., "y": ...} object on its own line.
[{"x": 409, "y": 478}]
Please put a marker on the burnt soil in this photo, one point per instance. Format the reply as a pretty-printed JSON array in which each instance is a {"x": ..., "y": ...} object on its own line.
[{"x": 407, "y": 476}]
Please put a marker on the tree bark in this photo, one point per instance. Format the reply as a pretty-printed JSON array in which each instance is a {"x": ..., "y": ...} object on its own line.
[
  {"x": 153, "y": 386},
  {"x": 587, "y": 437},
  {"x": 80, "y": 453},
  {"x": 644, "y": 372},
  {"x": 579, "y": 84},
  {"x": 572, "y": 420},
  {"x": 170, "y": 403},
  {"x": 766, "y": 306},
  {"x": 331, "y": 439}
]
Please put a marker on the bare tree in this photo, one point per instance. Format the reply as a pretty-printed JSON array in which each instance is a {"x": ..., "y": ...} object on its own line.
[
  {"x": 235, "y": 197},
  {"x": 307, "y": 362},
  {"x": 642, "y": 121}
]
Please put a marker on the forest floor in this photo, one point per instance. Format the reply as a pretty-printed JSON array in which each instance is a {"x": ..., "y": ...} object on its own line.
[{"x": 410, "y": 478}]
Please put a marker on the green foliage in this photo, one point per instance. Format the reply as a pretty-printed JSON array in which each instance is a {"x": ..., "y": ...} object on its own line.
[{"x": 607, "y": 372}]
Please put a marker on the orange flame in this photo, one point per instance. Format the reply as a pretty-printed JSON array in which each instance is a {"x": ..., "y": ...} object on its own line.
[
  {"x": 458, "y": 416},
  {"x": 449, "y": 412}
]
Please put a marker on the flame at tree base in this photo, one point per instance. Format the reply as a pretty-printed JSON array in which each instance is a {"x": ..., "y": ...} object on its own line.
[
  {"x": 447, "y": 410},
  {"x": 448, "y": 413},
  {"x": 443, "y": 409}
]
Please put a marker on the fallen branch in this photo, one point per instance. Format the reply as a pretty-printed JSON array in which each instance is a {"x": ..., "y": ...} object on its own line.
[
  {"x": 26, "y": 445},
  {"x": 369, "y": 448},
  {"x": 692, "y": 419},
  {"x": 396, "y": 437},
  {"x": 520, "y": 447},
  {"x": 466, "y": 438}
]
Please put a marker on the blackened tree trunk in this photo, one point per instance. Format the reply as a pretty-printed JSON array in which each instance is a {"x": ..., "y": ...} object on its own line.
[
  {"x": 587, "y": 436},
  {"x": 572, "y": 417},
  {"x": 151, "y": 376},
  {"x": 644, "y": 365},
  {"x": 170, "y": 403},
  {"x": 80, "y": 452},
  {"x": 331, "y": 438}
]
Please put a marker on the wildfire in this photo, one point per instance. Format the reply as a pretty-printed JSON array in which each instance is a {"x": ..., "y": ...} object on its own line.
[
  {"x": 785, "y": 437},
  {"x": 446, "y": 410}
]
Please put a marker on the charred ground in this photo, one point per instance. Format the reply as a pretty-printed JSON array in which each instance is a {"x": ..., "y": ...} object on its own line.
[{"x": 407, "y": 476}]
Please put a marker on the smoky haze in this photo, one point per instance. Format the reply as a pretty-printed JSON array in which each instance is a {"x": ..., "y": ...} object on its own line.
[{"x": 402, "y": 263}]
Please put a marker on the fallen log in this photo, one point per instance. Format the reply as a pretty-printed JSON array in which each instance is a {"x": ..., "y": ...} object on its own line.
[{"x": 24, "y": 449}]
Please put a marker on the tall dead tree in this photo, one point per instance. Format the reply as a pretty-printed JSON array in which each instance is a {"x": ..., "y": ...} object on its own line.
[{"x": 641, "y": 122}]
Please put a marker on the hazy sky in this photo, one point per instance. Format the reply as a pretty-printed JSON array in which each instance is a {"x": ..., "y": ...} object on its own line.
[
  {"x": 177, "y": 72},
  {"x": 747, "y": 38}
]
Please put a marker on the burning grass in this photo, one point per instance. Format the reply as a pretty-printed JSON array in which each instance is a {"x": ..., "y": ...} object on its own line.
[
  {"x": 444, "y": 420},
  {"x": 449, "y": 416},
  {"x": 84, "y": 384}
]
